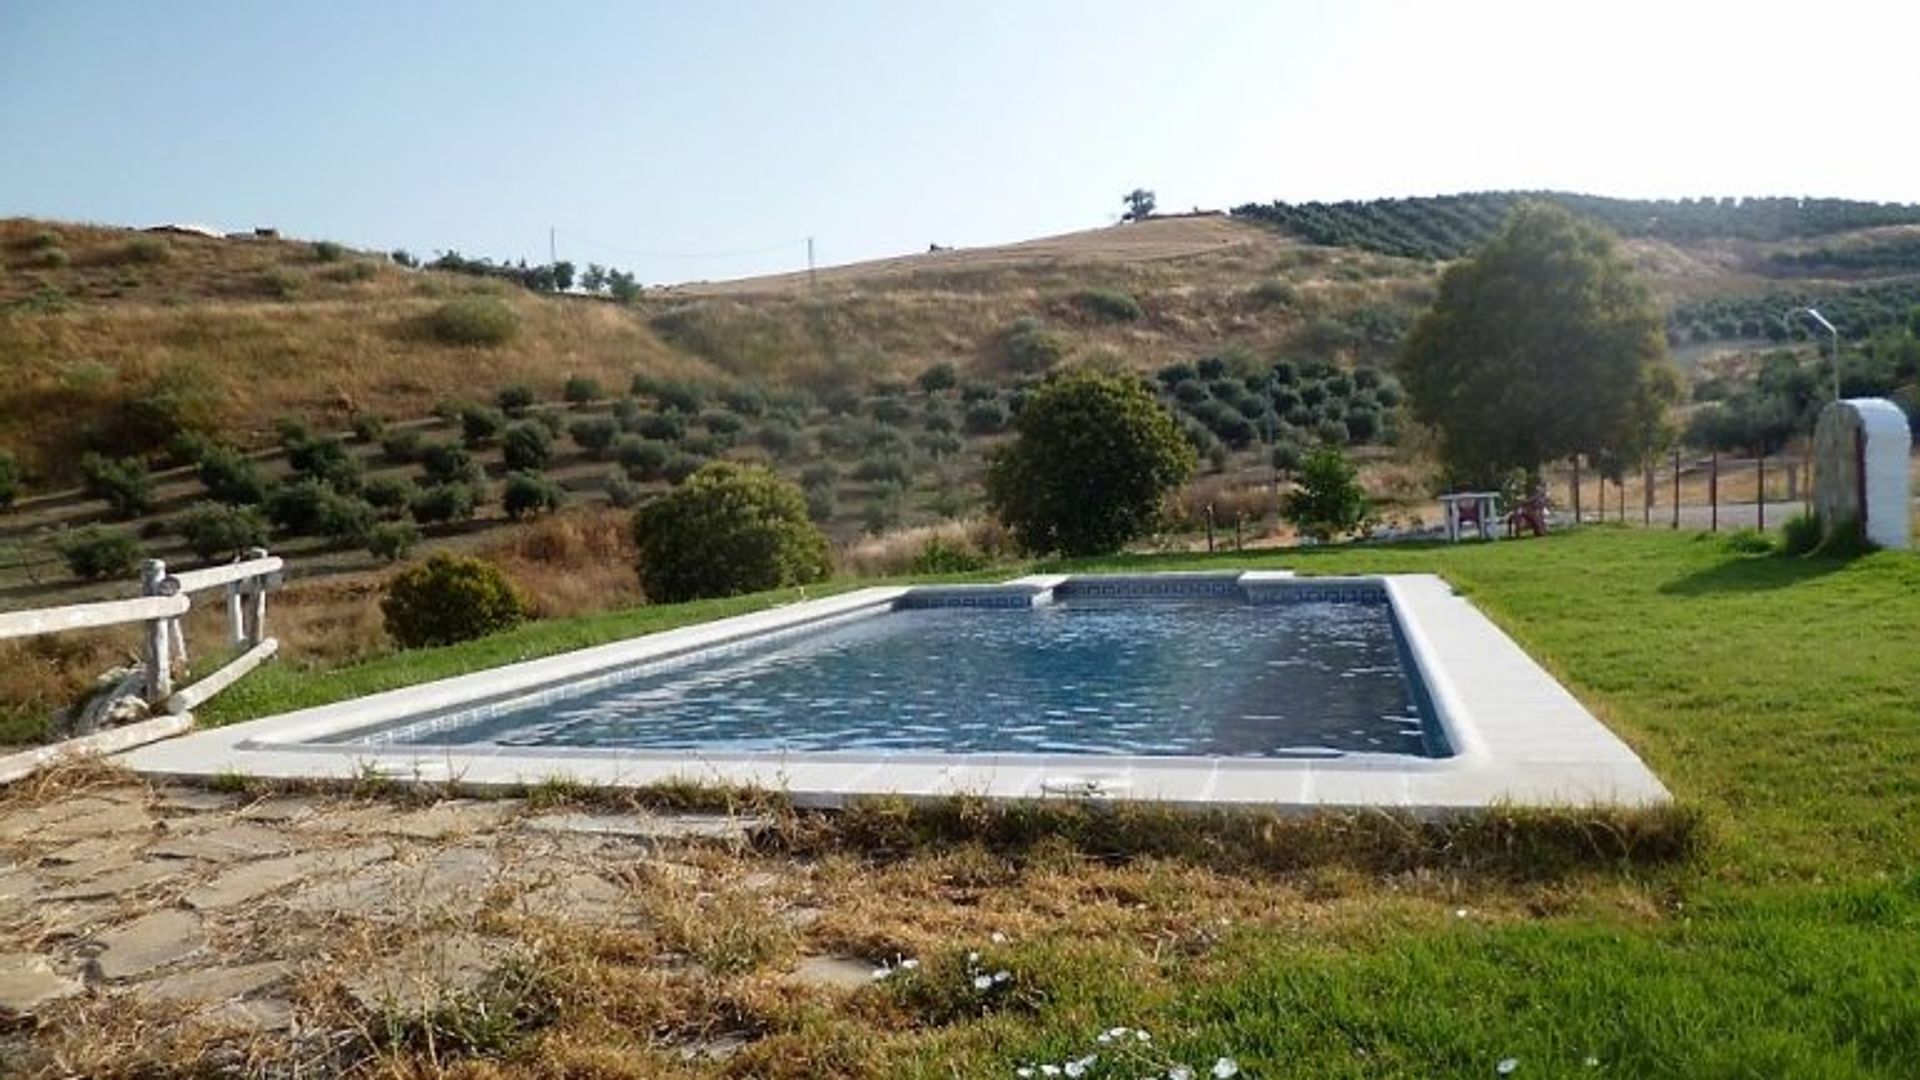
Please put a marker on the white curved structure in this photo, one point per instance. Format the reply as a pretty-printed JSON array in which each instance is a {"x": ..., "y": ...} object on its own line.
[{"x": 1861, "y": 470}]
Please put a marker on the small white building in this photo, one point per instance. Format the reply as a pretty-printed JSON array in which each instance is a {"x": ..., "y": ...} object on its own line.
[{"x": 1862, "y": 469}]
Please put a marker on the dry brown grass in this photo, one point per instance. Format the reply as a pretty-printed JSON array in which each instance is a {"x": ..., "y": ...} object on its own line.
[
  {"x": 573, "y": 563},
  {"x": 894, "y": 553}
]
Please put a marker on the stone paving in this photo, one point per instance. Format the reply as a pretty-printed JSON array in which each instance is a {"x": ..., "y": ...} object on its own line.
[{"x": 232, "y": 909}]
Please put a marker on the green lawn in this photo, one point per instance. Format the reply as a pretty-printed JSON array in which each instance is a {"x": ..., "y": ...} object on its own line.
[{"x": 1781, "y": 697}]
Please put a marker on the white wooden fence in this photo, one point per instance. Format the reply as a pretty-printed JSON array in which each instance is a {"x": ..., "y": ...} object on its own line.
[{"x": 164, "y": 599}]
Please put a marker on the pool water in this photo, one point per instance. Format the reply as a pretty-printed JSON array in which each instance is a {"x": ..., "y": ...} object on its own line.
[{"x": 1083, "y": 676}]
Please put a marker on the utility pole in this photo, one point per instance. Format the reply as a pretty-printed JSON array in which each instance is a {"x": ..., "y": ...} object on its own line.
[
  {"x": 813, "y": 280},
  {"x": 552, "y": 252}
]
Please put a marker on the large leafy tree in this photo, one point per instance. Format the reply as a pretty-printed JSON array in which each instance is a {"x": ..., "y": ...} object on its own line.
[
  {"x": 1092, "y": 459},
  {"x": 729, "y": 529},
  {"x": 1542, "y": 345}
]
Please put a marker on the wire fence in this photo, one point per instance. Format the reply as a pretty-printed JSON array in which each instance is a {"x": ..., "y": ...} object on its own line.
[{"x": 1711, "y": 492}]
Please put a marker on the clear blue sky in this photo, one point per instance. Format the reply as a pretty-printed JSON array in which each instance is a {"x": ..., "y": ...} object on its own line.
[{"x": 646, "y": 129}]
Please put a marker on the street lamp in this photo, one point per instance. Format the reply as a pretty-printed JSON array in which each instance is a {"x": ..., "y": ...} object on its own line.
[{"x": 1831, "y": 332}]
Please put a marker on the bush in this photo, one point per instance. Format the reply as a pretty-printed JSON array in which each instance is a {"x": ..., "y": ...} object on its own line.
[
  {"x": 666, "y": 427},
  {"x": 745, "y": 399},
  {"x": 444, "y": 502},
  {"x": 389, "y": 494},
  {"x": 985, "y": 418},
  {"x": 781, "y": 439},
  {"x": 1274, "y": 293},
  {"x": 942, "y": 556},
  {"x": 886, "y": 469},
  {"x": 594, "y": 434},
  {"x": 941, "y": 376},
  {"x": 327, "y": 460},
  {"x": 447, "y": 599},
  {"x": 526, "y": 447},
  {"x": 1031, "y": 348},
  {"x": 368, "y": 427},
  {"x": 885, "y": 506},
  {"x": 480, "y": 425},
  {"x": 622, "y": 492},
  {"x": 122, "y": 482},
  {"x": 1093, "y": 457},
  {"x": 644, "y": 459},
  {"x": 581, "y": 389},
  {"x": 400, "y": 447},
  {"x": 146, "y": 249},
  {"x": 822, "y": 503},
  {"x": 280, "y": 283},
  {"x": 219, "y": 532},
  {"x": 391, "y": 541},
  {"x": 1329, "y": 500},
  {"x": 1286, "y": 455},
  {"x": 474, "y": 321},
  {"x": 821, "y": 474},
  {"x": 1748, "y": 541},
  {"x": 232, "y": 478},
  {"x": 312, "y": 508},
  {"x": 93, "y": 553},
  {"x": 9, "y": 480},
  {"x": 516, "y": 399},
  {"x": 729, "y": 529},
  {"x": 1800, "y": 534},
  {"x": 528, "y": 494},
  {"x": 721, "y": 422},
  {"x": 327, "y": 251},
  {"x": 681, "y": 466},
  {"x": 445, "y": 463},
  {"x": 1109, "y": 304},
  {"x": 889, "y": 410}
]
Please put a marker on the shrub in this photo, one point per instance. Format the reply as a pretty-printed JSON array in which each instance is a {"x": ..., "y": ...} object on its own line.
[
  {"x": 400, "y": 447},
  {"x": 92, "y": 553},
  {"x": 885, "y": 469},
  {"x": 280, "y": 283},
  {"x": 53, "y": 258},
  {"x": 666, "y": 427},
  {"x": 444, "y": 502},
  {"x": 822, "y": 503},
  {"x": 403, "y": 257},
  {"x": 146, "y": 249},
  {"x": 884, "y": 508},
  {"x": 122, "y": 482},
  {"x": 1030, "y": 347},
  {"x": 1332, "y": 432},
  {"x": 644, "y": 459},
  {"x": 594, "y": 434},
  {"x": 1748, "y": 541},
  {"x": 1274, "y": 293},
  {"x": 389, "y": 494},
  {"x": 449, "y": 598},
  {"x": 327, "y": 460},
  {"x": 516, "y": 399},
  {"x": 1093, "y": 457},
  {"x": 939, "y": 444},
  {"x": 327, "y": 251},
  {"x": 943, "y": 556},
  {"x": 1329, "y": 500},
  {"x": 626, "y": 413},
  {"x": 889, "y": 410},
  {"x": 473, "y": 321},
  {"x": 1109, "y": 304},
  {"x": 9, "y": 480},
  {"x": 231, "y": 477},
  {"x": 218, "y": 532},
  {"x": 670, "y": 394},
  {"x": 1800, "y": 534},
  {"x": 821, "y": 474},
  {"x": 368, "y": 427},
  {"x": 985, "y": 417},
  {"x": 312, "y": 508},
  {"x": 729, "y": 529},
  {"x": 781, "y": 439},
  {"x": 528, "y": 494},
  {"x": 938, "y": 377},
  {"x": 1286, "y": 455},
  {"x": 745, "y": 399},
  {"x": 357, "y": 270},
  {"x": 621, "y": 492},
  {"x": 445, "y": 463},
  {"x": 681, "y": 466},
  {"x": 391, "y": 541},
  {"x": 526, "y": 446},
  {"x": 581, "y": 389},
  {"x": 480, "y": 425}
]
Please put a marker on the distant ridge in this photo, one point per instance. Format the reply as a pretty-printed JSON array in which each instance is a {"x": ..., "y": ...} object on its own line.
[{"x": 1448, "y": 226}]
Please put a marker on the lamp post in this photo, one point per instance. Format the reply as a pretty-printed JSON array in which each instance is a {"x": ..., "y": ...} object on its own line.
[{"x": 1831, "y": 333}]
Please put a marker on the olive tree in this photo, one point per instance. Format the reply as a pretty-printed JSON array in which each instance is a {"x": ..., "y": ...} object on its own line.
[
  {"x": 1542, "y": 345},
  {"x": 1092, "y": 459},
  {"x": 728, "y": 529}
]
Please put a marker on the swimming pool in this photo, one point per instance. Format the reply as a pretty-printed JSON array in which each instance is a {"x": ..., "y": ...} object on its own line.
[{"x": 1207, "y": 689}]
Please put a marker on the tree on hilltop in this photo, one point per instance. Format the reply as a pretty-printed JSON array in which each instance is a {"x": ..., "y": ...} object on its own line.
[
  {"x": 1542, "y": 345},
  {"x": 1139, "y": 205}
]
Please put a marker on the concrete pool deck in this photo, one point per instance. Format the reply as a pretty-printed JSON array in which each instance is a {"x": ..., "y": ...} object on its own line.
[{"x": 1519, "y": 737}]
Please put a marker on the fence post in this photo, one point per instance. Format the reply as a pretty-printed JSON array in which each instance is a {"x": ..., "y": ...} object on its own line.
[
  {"x": 1676, "y": 489},
  {"x": 1646, "y": 497},
  {"x": 236, "y": 616},
  {"x": 1713, "y": 491},
  {"x": 153, "y": 575},
  {"x": 257, "y": 624},
  {"x": 1761, "y": 506},
  {"x": 1576, "y": 489}
]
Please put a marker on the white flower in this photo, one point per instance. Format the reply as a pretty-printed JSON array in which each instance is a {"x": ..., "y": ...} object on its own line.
[
  {"x": 973, "y": 958},
  {"x": 1076, "y": 1069},
  {"x": 1002, "y": 976},
  {"x": 1143, "y": 1036},
  {"x": 1459, "y": 913},
  {"x": 1592, "y": 1062},
  {"x": 1225, "y": 1067},
  {"x": 1506, "y": 1066},
  {"x": 1179, "y": 1072},
  {"x": 998, "y": 938},
  {"x": 982, "y": 982},
  {"x": 909, "y": 964},
  {"x": 1023, "y": 1072},
  {"x": 1049, "y": 1070}
]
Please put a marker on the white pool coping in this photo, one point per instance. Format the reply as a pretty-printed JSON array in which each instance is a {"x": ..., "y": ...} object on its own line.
[{"x": 1520, "y": 738}]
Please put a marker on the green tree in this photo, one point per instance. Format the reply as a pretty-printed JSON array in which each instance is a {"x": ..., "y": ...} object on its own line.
[
  {"x": 1542, "y": 345},
  {"x": 728, "y": 529},
  {"x": 1092, "y": 459},
  {"x": 1328, "y": 500},
  {"x": 449, "y": 598},
  {"x": 1139, "y": 205}
]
